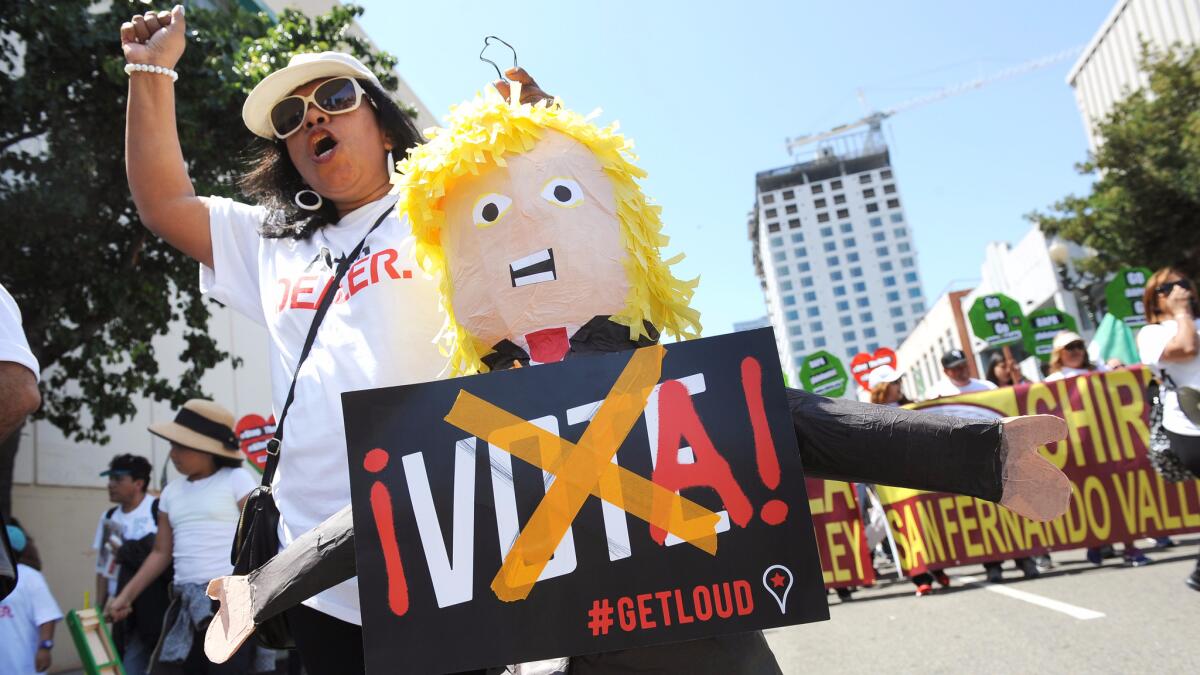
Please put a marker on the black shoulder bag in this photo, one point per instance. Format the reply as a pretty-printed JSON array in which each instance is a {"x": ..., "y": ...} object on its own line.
[{"x": 257, "y": 537}]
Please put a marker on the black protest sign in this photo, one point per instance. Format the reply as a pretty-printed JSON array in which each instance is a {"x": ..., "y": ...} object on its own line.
[{"x": 495, "y": 524}]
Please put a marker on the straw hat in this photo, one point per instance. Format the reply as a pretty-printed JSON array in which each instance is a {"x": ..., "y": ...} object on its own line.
[{"x": 201, "y": 425}]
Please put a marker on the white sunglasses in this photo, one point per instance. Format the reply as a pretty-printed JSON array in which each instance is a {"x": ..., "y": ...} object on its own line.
[{"x": 334, "y": 96}]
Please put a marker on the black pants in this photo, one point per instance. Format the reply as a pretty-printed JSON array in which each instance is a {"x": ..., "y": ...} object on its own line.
[
  {"x": 1188, "y": 449},
  {"x": 996, "y": 564},
  {"x": 198, "y": 664},
  {"x": 326, "y": 646}
]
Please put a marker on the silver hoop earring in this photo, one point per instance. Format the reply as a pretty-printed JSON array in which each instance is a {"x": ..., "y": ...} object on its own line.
[{"x": 309, "y": 200}]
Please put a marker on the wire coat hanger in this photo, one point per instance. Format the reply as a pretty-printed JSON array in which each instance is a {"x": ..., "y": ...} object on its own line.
[{"x": 487, "y": 42}]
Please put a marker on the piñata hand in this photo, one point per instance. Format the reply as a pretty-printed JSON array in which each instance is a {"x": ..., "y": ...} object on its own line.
[
  {"x": 530, "y": 91},
  {"x": 233, "y": 623},
  {"x": 1033, "y": 487}
]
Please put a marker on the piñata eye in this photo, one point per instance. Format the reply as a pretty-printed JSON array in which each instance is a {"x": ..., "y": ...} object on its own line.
[
  {"x": 563, "y": 192},
  {"x": 490, "y": 208}
]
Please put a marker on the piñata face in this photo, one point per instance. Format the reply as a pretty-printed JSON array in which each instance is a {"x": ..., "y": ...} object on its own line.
[
  {"x": 534, "y": 248},
  {"x": 532, "y": 221}
]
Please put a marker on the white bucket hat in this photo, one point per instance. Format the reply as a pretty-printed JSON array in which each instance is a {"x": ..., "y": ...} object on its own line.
[
  {"x": 302, "y": 69},
  {"x": 1064, "y": 338},
  {"x": 882, "y": 374}
]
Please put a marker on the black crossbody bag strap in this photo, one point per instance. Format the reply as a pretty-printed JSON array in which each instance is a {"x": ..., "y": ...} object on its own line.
[{"x": 273, "y": 445}]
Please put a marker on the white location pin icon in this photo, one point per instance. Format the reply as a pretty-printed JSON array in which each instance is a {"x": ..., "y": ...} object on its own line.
[{"x": 778, "y": 581}]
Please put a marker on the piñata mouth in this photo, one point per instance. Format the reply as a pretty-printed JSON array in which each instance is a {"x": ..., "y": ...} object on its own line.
[{"x": 534, "y": 268}]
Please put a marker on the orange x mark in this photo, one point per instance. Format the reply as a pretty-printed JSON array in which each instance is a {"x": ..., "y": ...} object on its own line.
[{"x": 582, "y": 469}]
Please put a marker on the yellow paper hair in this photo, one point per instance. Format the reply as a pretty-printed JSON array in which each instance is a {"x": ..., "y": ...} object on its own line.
[{"x": 478, "y": 135}]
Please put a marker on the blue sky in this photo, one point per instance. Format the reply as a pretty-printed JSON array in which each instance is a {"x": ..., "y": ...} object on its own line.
[{"x": 709, "y": 91}]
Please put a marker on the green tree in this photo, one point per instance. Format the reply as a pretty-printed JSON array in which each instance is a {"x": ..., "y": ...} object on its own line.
[
  {"x": 1144, "y": 207},
  {"x": 94, "y": 286}
]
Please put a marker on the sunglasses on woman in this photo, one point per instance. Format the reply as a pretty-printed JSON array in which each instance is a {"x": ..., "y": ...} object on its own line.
[
  {"x": 1165, "y": 289},
  {"x": 336, "y": 96}
]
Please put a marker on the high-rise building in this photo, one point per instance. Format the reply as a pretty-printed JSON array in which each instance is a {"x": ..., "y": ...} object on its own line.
[
  {"x": 834, "y": 253},
  {"x": 1107, "y": 69}
]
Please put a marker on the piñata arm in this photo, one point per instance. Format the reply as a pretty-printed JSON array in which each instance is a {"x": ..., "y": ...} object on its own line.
[
  {"x": 318, "y": 560},
  {"x": 995, "y": 460}
]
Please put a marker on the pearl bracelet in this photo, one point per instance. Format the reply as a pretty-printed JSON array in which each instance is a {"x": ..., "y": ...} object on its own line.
[{"x": 131, "y": 68}]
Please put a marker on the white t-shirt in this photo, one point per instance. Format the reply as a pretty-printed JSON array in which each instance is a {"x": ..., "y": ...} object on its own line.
[
  {"x": 379, "y": 332},
  {"x": 947, "y": 388},
  {"x": 204, "y": 515},
  {"x": 1152, "y": 340},
  {"x": 1065, "y": 372},
  {"x": 129, "y": 527},
  {"x": 29, "y": 606},
  {"x": 13, "y": 345}
]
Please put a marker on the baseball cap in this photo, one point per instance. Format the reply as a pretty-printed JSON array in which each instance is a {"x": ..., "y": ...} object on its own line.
[
  {"x": 953, "y": 358},
  {"x": 16, "y": 537},
  {"x": 301, "y": 69},
  {"x": 129, "y": 465},
  {"x": 882, "y": 374}
]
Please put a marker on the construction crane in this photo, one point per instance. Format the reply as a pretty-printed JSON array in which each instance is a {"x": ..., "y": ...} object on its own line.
[{"x": 875, "y": 119}]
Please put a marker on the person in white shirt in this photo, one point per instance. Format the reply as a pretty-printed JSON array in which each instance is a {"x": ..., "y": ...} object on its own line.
[
  {"x": 958, "y": 381},
  {"x": 124, "y": 536},
  {"x": 1169, "y": 343},
  {"x": 19, "y": 397},
  {"x": 884, "y": 385},
  {"x": 27, "y": 618},
  {"x": 958, "y": 377},
  {"x": 197, "y": 518},
  {"x": 330, "y": 134}
]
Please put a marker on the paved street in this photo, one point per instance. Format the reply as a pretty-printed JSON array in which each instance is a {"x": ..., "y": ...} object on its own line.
[{"x": 1076, "y": 618}]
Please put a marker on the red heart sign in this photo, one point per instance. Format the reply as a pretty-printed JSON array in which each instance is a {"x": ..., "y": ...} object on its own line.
[
  {"x": 862, "y": 364},
  {"x": 253, "y": 432}
]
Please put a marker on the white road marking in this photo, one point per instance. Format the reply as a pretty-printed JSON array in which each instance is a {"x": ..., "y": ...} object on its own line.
[{"x": 1081, "y": 613}]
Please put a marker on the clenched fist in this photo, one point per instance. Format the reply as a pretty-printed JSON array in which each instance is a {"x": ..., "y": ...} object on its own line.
[{"x": 154, "y": 38}]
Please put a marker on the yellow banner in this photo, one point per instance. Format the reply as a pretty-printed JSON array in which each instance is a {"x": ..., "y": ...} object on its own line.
[{"x": 1117, "y": 496}]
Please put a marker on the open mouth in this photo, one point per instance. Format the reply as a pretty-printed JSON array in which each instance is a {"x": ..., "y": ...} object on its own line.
[
  {"x": 321, "y": 143},
  {"x": 533, "y": 268}
]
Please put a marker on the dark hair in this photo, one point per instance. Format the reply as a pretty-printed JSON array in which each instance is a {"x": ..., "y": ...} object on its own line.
[
  {"x": 997, "y": 360},
  {"x": 228, "y": 462},
  {"x": 273, "y": 181},
  {"x": 1154, "y": 312},
  {"x": 135, "y": 466}
]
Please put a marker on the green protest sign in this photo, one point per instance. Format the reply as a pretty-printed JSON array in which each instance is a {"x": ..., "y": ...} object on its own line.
[
  {"x": 1124, "y": 295},
  {"x": 823, "y": 373},
  {"x": 1041, "y": 327},
  {"x": 996, "y": 319}
]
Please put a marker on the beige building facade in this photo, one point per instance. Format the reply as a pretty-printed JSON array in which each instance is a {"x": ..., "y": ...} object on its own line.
[{"x": 1107, "y": 70}]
